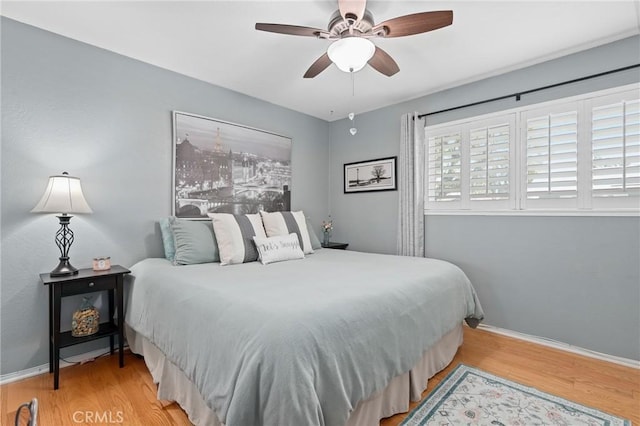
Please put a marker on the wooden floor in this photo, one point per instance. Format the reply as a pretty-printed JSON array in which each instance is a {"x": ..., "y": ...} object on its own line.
[{"x": 101, "y": 393}]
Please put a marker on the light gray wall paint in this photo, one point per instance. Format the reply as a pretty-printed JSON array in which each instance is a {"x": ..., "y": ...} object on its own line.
[
  {"x": 574, "y": 279},
  {"x": 68, "y": 106}
]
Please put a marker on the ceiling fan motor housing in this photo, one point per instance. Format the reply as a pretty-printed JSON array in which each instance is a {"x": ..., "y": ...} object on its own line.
[{"x": 338, "y": 25}]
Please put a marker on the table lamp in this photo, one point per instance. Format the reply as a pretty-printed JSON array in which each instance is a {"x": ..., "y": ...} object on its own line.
[{"x": 63, "y": 195}]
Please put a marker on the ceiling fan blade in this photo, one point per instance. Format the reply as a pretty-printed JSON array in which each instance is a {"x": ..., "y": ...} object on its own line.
[
  {"x": 318, "y": 66},
  {"x": 353, "y": 9},
  {"x": 382, "y": 62},
  {"x": 414, "y": 24},
  {"x": 291, "y": 30}
]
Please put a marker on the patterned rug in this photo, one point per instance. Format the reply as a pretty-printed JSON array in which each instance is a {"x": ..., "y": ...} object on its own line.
[{"x": 468, "y": 396}]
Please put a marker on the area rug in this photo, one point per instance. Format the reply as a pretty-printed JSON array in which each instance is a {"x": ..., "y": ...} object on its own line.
[{"x": 468, "y": 396}]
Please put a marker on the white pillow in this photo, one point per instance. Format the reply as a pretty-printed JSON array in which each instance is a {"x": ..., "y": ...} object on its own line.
[
  {"x": 285, "y": 223},
  {"x": 278, "y": 249},
  {"x": 234, "y": 234}
]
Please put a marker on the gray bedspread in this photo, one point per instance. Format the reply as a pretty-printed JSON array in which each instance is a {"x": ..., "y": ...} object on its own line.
[{"x": 299, "y": 342}]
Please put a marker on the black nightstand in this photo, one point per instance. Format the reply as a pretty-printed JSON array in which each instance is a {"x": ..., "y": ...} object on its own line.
[
  {"x": 85, "y": 281},
  {"x": 337, "y": 246}
]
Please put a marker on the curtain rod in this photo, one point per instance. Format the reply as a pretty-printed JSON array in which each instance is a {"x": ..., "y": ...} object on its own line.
[{"x": 526, "y": 92}]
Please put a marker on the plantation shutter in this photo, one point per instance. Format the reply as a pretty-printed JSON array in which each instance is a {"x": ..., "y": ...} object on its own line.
[
  {"x": 489, "y": 162},
  {"x": 615, "y": 149},
  {"x": 444, "y": 167},
  {"x": 551, "y": 159},
  {"x": 575, "y": 156}
]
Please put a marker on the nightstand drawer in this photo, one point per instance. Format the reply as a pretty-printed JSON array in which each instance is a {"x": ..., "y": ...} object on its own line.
[{"x": 88, "y": 286}]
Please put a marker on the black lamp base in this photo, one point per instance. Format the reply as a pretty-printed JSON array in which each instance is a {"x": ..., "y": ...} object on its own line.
[
  {"x": 64, "y": 239},
  {"x": 64, "y": 268}
]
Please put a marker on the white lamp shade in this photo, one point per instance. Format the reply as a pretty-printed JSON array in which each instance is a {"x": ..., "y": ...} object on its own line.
[
  {"x": 63, "y": 195},
  {"x": 351, "y": 54}
]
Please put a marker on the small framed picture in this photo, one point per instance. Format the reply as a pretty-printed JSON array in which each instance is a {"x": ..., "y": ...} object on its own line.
[{"x": 371, "y": 175}]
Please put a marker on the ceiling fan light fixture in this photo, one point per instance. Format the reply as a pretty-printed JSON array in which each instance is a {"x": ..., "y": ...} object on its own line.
[{"x": 351, "y": 54}]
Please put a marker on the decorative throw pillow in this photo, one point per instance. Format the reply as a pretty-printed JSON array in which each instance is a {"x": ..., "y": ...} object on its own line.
[
  {"x": 285, "y": 223},
  {"x": 278, "y": 249},
  {"x": 167, "y": 237},
  {"x": 315, "y": 241},
  {"x": 194, "y": 242},
  {"x": 234, "y": 234}
]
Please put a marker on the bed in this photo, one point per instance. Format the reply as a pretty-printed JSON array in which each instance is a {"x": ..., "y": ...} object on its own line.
[{"x": 339, "y": 337}]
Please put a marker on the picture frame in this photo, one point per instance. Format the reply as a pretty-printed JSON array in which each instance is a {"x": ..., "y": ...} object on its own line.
[
  {"x": 223, "y": 167},
  {"x": 379, "y": 174}
]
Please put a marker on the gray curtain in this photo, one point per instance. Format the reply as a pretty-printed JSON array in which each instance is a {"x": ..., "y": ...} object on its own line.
[{"x": 411, "y": 186}]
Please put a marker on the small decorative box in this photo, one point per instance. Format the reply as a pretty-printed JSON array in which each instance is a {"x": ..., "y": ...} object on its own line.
[{"x": 101, "y": 263}]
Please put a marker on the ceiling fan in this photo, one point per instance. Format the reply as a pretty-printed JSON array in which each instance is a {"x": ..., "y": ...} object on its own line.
[{"x": 352, "y": 28}]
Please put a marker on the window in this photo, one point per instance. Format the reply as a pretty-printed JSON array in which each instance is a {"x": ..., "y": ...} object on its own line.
[
  {"x": 468, "y": 165},
  {"x": 551, "y": 157},
  {"x": 444, "y": 168},
  {"x": 573, "y": 155},
  {"x": 489, "y": 162},
  {"x": 615, "y": 149}
]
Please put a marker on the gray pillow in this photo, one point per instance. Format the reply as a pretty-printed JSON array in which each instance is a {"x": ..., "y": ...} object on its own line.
[
  {"x": 195, "y": 242},
  {"x": 315, "y": 242}
]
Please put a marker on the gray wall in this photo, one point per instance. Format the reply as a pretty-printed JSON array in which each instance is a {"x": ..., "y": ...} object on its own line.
[
  {"x": 573, "y": 279},
  {"x": 68, "y": 106}
]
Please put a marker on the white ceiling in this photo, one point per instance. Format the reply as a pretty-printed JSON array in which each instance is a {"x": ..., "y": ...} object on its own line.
[{"x": 215, "y": 41}]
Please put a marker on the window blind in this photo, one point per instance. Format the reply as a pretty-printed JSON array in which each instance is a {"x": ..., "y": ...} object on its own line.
[
  {"x": 489, "y": 163},
  {"x": 615, "y": 149},
  {"x": 444, "y": 167},
  {"x": 552, "y": 156}
]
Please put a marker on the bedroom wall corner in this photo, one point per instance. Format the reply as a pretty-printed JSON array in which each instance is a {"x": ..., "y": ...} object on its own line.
[{"x": 106, "y": 118}]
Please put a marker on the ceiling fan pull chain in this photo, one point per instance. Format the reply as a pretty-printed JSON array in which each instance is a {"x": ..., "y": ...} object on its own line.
[
  {"x": 353, "y": 130},
  {"x": 353, "y": 84}
]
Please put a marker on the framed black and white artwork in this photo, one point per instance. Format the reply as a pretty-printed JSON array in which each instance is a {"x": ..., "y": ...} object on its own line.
[
  {"x": 371, "y": 175},
  {"x": 222, "y": 167}
]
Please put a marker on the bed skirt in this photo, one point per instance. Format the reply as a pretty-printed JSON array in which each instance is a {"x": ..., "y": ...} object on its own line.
[{"x": 173, "y": 385}]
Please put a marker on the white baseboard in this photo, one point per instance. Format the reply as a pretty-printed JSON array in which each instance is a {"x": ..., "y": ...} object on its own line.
[
  {"x": 561, "y": 346},
  {"x": 44, "y": 368}
]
